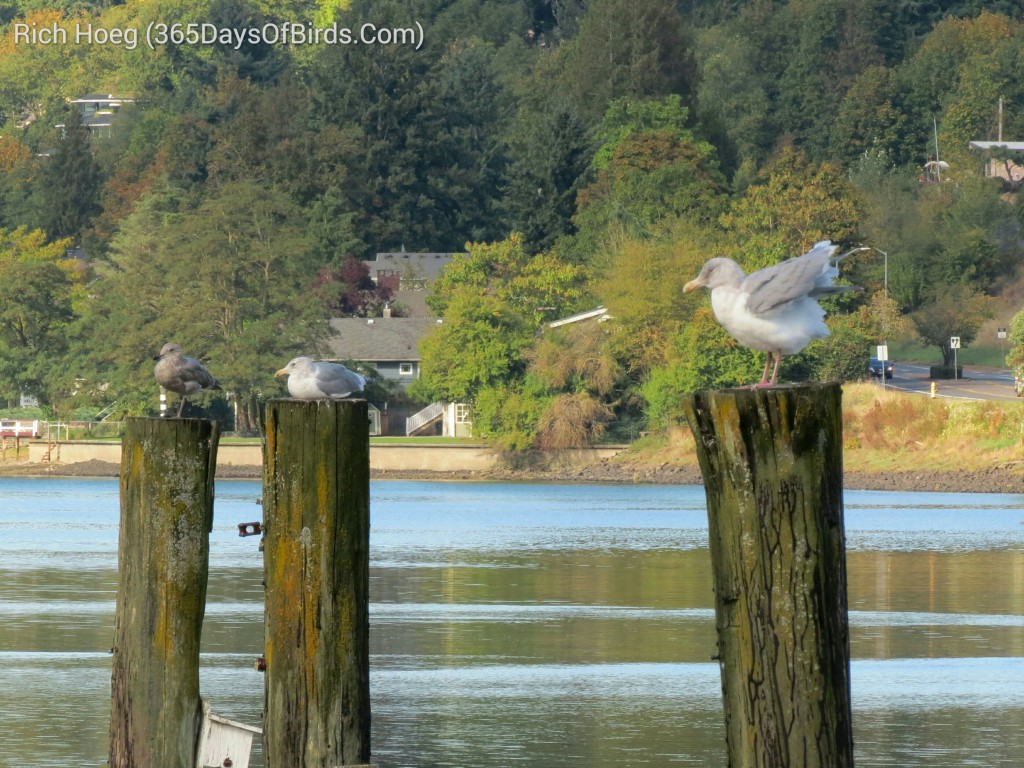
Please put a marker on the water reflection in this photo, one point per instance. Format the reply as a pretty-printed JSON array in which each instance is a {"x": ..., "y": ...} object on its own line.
[{"x": 558, "y": 625}]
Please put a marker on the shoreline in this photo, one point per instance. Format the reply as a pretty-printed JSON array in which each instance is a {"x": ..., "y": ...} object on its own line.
[{"x": 995, "y": 479}]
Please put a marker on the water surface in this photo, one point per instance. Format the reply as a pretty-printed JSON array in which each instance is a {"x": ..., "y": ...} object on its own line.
[{"x": 539, "y": 624}]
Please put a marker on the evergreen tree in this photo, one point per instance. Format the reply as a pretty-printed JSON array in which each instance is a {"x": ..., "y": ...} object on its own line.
[
  {"x": 70, "y": 184},
  {"x": 550, "y": 154}
]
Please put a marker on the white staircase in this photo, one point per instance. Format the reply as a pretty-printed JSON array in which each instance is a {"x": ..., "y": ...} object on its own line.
[
  {"x": 102, "y": 415},
  {"x": 423, "y": 419}
]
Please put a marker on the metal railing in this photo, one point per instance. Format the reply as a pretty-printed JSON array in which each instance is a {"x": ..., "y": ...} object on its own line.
[{"x": 419, "y": 420}]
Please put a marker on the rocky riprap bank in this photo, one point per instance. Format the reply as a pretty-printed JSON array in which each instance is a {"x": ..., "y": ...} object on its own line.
[{"x": 1007, "y": 478}]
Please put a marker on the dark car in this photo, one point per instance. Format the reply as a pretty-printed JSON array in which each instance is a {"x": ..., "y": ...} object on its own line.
[{"x": 876, "y": 366}]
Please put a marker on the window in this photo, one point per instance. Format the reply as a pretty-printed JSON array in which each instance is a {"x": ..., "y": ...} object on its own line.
[
  {"x": 405, "y": 369},
  {"x": 462, "y": 414}
]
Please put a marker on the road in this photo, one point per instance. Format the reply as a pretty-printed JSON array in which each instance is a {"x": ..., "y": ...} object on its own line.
[{"x": 977, "y": 383}]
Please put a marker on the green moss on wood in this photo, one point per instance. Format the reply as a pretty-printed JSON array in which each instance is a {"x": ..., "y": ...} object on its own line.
[
  {"x": 316, "y": 554},
  {"x": 163, "y": 561},
  {"x": 772, "y": 466}
]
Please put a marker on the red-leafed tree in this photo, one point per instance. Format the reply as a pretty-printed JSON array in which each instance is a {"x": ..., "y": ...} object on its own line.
[{"x": 349, "y": 291}]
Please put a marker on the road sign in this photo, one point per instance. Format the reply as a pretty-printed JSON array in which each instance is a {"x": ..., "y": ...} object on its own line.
[
  {"x": 954, "y": 342},
  {"x": 883, "y": 352},
  {"x": 1001, "y": 333}
]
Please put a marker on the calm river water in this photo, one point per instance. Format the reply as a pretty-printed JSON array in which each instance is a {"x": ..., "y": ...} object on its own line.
[{"x": 543, "y": 625}]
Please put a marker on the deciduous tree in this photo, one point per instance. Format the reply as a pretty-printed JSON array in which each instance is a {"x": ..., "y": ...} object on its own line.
[
  {"x": 956, "y": 311},
  {"x": 37, "y": 286}
]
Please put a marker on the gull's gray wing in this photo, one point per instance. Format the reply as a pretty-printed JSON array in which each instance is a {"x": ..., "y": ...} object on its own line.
[
  {"x": 193, "y": 370},
  {"x": 807, "y": 275},
  {"x": 184, "y": 375},
  {"x": 336, "y": 380}
]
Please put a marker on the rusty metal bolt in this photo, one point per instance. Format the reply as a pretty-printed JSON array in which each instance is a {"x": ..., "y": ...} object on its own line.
[
  {"x": 249, "y": 529},
  {"x": 261, "y": 664}
]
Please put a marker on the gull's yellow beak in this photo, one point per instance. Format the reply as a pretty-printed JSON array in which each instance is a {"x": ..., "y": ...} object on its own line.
[
  {"x": 282, "y": 372},
  {"x": 693, "y": 285}
]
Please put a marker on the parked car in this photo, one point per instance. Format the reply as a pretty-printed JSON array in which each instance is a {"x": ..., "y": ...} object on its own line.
[{"x": 876, "y": 367}]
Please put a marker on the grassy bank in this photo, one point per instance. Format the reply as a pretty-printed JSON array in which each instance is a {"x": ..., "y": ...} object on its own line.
[{"x": 892, "y": 431}]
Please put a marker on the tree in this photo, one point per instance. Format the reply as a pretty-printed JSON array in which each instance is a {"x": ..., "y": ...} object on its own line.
[
  {"x": 493, "y": 299},
  {"x": 735, "y": 100},
  {"x": 229, "y": 280},
  {"x": 427, "y": 162},
  {"x": 550, "y": 154},
  {"x": 934, "y": 235},
  {"x": 642, "y": 287},
  {"x": 627, "y": 50},
  {"x": 478, "y": 346},
  {"x": 509, "y": 414},
  {"x": 649, "y": 169},
  {"x": 536, "y": 287},
  {"x": 792, "y": 205},
  {"x": 349, "y": 291},
  {"x": 1015, "y": 357},
  {"x": 956, "y": 311},
  {"x": 583, "y": 382},
  {"x": 37, "y": 289},
  {"x": 874, "y": 119},
  {"x": 71, "y": 182}
]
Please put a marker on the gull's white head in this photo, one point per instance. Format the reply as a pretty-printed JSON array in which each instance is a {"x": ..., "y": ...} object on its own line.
[
  {"x": 295, "y": 365},
  {"x": 716, "y": 272}
]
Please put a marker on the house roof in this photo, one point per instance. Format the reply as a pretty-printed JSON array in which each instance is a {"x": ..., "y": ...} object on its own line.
[
  {"x": 377, "y": 339},
  {"x": 98, "y": 109},
  {"x": 423, "y": 266},
  {"x": 1013, "y": 146}
]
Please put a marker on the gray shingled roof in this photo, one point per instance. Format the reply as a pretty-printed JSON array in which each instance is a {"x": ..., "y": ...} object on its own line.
[
  {"x": 379, "y": 338},
  {"x": 425, "y": 266}
]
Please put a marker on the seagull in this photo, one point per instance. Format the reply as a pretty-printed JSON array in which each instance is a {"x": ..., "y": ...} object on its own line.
[
  {"x": 308, "y": 380},
  {"x": 775, "y": 308},
  {"x": 184, "y": 375}
]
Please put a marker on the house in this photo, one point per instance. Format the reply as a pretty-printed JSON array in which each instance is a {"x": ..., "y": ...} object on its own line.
[
  {"x": 98, "y": 113},
  {"x": 390, "y": 344},
  {"x": 1005, "y": 168},
  {"x": 409, "y": 277},
  {"x": 408, "y": 271}
]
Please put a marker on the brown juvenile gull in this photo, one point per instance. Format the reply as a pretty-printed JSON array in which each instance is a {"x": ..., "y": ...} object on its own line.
[
  {"x": 184, "y": 375},
  {"x": 775, "y": 308},
  {"x": 308, "y": 380}
]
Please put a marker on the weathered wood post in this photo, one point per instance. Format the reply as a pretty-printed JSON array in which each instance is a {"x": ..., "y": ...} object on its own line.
[
  {"x": 167, "y": 469},
  {"x": 316, "y": 508},
  {"x": 773, "y": 471}
]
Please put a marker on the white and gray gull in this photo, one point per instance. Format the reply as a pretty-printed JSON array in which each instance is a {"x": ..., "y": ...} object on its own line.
[
  {"x": 182, "y": 375},
  {"x": 309, "y": 380},
  {"x": 774, "y": 309}
]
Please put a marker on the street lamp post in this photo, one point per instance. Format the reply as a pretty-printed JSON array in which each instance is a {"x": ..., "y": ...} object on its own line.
[
  {"x": 885, "y": 271},
  {"x": 885, "y": 288}
]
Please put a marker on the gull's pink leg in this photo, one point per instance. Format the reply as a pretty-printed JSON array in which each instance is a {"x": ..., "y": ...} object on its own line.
[
  {"x": 765, "y": 381},
  {"x": 775, "y": 373},
  {"x": 764, "y": 375}
]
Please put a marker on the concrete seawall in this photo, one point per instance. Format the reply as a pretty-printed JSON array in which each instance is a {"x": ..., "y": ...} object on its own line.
[{"x": 399, "y": 457}]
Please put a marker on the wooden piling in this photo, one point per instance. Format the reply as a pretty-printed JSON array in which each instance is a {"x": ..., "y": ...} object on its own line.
[
  {"x": 316, "y": 510},
  {"x": 772, "y": 466},
  {"x": 167, "y": 469}
]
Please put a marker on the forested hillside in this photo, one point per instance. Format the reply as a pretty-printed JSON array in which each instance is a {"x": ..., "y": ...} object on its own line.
[{"x": 579, "y": 152}]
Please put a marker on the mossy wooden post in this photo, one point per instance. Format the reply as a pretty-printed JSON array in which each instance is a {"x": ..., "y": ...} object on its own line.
[
  {"x": 167, "y": 469},
  {"x": 316, "y": 508},
  {"x": 773, "y": 470}
]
